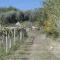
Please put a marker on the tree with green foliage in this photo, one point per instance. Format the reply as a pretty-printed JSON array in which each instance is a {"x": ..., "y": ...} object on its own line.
[{"x": 52, "y": 8}]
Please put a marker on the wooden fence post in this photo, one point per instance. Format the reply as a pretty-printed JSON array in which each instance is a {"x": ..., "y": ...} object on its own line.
[
  {"x": 21, "y": 35},
  {"x": 6, "y": 42},
  {"x": 9, "y": 41},
  {"x": 14, "y": 36}
]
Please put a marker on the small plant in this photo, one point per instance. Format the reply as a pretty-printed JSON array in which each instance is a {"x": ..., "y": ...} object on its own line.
[
  {"x": 53, "y": 34},
  {"x": 2, "y": 53}
]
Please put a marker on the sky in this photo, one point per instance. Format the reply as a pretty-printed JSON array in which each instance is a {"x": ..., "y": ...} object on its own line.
[{"x": 21, "y": 4}]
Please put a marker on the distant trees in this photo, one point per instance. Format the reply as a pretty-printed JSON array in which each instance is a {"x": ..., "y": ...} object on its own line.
[
  {"x": 8, "y": 17},
  {"x": 12, "y": 15},
  {"x": 11, "y": 18}
]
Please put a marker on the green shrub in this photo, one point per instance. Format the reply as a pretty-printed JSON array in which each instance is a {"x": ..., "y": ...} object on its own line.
[{"x": 53, "y": 34}]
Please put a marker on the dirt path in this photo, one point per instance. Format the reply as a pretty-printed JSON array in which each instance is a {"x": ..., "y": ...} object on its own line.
[
  {"x": 36, "y": 47},
  {"x": 40, "y": 49}
]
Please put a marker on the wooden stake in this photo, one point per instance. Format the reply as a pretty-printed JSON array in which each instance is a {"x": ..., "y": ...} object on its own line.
[
  {"x": 9, "y": 41},
  {"x": 2, "y": 39},
  {"x": 14, "y": 36},
  {"x": 6, "y": 42},
  {"x": 21, "y": 35}
]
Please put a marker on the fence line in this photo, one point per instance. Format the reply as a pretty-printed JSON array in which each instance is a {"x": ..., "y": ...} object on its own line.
[{"x": 10, "y": 35}]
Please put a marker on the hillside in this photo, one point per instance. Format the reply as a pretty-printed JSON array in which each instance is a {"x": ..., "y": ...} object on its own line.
[{"x": 30, "y": 34}]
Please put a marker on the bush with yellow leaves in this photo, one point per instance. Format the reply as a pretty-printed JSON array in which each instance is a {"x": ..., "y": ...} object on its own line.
[
  {"x": 48, "y": 25},
  {"x": 49, "y": 28}
]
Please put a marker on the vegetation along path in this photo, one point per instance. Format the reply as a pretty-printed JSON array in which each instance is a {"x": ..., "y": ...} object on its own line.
[{"x": 36, "y": 47}]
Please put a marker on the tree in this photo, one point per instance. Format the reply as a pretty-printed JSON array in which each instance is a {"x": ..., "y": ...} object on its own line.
[{"x": 50, "y": 7}]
